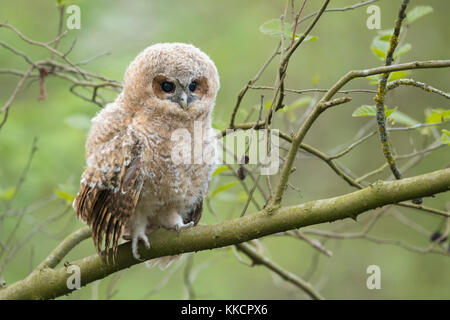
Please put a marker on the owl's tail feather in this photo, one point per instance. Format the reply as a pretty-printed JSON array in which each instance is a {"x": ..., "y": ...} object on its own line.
[{"x": 162, "y": 262}]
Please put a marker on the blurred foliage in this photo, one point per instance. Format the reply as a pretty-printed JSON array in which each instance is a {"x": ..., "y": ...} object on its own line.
[
  {"x": 274, "y": 27},
  {"x": 229, "y": 31}
]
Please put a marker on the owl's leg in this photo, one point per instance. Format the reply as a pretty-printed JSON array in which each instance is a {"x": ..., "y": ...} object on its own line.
[{"x": 138, "y": 229}]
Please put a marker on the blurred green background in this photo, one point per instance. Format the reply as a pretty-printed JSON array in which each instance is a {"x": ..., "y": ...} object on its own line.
[{"x": 228, "y": 32}]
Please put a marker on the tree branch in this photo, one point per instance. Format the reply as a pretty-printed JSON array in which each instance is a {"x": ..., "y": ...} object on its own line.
[{"x": 47, "y": 283}]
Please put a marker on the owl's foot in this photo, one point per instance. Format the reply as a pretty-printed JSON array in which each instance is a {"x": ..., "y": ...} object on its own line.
[
  {"x": 135, "y": 244},
  {"x": 181, "y": 225}
]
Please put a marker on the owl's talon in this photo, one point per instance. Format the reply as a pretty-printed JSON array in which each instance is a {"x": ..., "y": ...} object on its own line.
[
  {"x": 146, "y": 242},
  {"x": 181, "y": 225},
  {"x": 135, "y": 245}
]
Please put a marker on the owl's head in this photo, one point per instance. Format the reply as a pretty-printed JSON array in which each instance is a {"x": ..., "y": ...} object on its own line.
[{"x": 176, "y": 77}]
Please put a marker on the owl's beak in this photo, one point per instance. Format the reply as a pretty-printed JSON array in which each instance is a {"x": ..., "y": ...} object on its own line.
[{"x": 183, "y": 101}]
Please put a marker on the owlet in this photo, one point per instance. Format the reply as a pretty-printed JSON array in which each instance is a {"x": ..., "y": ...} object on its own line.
[{"x": 133, "y": 184}]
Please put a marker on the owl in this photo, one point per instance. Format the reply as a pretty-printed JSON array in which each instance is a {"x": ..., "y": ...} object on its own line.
[{"x": 132, "y": 184}]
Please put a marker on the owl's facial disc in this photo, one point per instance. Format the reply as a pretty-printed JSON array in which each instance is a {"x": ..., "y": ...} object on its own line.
[{"x": 184, "y": 94}]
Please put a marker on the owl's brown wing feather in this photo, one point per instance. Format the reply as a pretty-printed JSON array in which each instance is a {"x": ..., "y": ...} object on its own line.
[{"x": 107, "y": 206}]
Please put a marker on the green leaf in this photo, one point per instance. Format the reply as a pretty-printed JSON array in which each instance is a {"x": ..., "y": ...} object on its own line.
[
  {"x": 78, "y": 121},
  {"x": 436, "y": 115},
  {"x": 445, "y": 137},
  {"x": 7, "y": 194},
  {"x": 390, "y": 112},
  {"x": 218, "y": 124},
  {"x": 374, "y": 79},
  {"x": 301, "y": 102},
  {"x": 418, "y": 12},
  {"x": 371, "y": 111},
  {"x": 315, "y": 79},
  {"x": 402, "y": 50},
  {"x": 243, "y": 112},
  {"x": 380, "y": 54},
  {"x": 398, "y": 75},
  {"x": 219, "y": 170},
  {"x": 243, "y": 196},
  {"x": 402, "y": 118},
  {"x": 379, "y": 48},
  {"x": 308, "y": 38},
  {"x": 273, "y": 28},
  {"x": 223, "y": 188},
  {"x": 384, "y": 33},
  {"x": 365, "y": 111},
  {"x": 66, "y": 2},
  {"x": 65, "y": 196},
  {"x": 267, "y": 104}
]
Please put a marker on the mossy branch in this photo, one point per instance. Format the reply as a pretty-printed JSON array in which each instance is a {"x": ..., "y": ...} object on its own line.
[
  {"x": 47, "y": 283},
  {"x": 381, "y": 95}
]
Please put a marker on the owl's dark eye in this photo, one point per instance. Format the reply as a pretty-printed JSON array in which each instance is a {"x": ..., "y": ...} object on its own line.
[
  {"x": 167, "y": 86},
  {"x": 193, "y": 86}
]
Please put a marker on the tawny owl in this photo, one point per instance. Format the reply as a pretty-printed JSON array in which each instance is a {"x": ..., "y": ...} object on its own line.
[{"x": 131, "y": 183}]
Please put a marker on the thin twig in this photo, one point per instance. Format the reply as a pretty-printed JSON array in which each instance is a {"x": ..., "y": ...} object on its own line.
[
  {"x": 5, "y": 108},
  {"x": 351, "y": 7},
  {"x": 380, "y": 97},
  {"x": 70, "y": 242},
  {"x": 410, "y": 82},
  {"x": 259, "y": 259}
]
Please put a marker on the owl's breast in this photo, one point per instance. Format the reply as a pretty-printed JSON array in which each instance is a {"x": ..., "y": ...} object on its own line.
[
  {"x": 171, "y": 180},
  {"x": 177, "y": 186}
]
